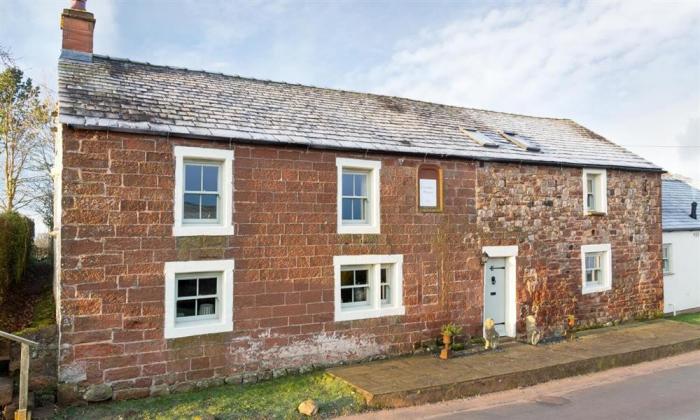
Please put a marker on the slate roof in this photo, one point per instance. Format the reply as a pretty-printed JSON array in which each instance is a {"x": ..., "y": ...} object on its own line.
[
  {"x": 676, "y": 196},
  {"x": 122, "y": 95}
]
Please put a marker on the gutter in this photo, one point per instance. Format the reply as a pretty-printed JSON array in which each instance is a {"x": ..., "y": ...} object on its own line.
[{"x": 686, "y": 229}]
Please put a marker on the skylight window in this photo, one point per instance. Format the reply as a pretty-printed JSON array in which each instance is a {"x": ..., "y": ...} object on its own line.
[
  {"x": 520, "y": 141},
  {"x": 481, "y": 138}
]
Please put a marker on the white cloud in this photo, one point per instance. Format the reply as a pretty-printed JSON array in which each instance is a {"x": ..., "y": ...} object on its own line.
[
  {"x": 690, "y": 140},
  {"x": 34, "y": 34},
  {"x": 628, "y": 69}
]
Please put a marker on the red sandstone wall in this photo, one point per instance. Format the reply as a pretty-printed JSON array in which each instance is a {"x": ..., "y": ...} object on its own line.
[
  {"x": 116, "y": 236},
  {"x": 540, "y": 209}
]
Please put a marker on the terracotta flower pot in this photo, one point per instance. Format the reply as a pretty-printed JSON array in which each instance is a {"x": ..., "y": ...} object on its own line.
[{"x": 446, "y": 340}]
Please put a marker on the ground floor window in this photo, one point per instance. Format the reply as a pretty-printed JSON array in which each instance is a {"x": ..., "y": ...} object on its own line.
[
  {"x": 198, "y": 297},
  {"x": 354, "y": 286},
  {"x": 596, "y": 267},
  {"x": 368, "y": 286}
]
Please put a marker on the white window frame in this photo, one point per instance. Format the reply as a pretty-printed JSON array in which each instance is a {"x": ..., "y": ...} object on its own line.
[
  {"x": 197, "y": 277},
  {"x": 223, "y": 322},
  {"x": 601, "y": 198},
  {"x": 607, "y": 268},
  {"x": 376, "y": 307},
  {"x": 372, "y": 167},
  {"x": 224, "y": 224},
  {"x": 669, "y": 256},
  {"x": 201, "y": 191}
]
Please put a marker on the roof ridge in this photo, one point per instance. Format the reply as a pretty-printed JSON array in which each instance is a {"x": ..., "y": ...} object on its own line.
[{"x": 355, "y": 92}]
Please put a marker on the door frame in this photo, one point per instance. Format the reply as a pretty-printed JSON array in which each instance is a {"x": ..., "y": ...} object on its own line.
[{"x": 510, "y": 253}]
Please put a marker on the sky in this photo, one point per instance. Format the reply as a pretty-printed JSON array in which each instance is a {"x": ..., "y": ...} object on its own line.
[{"x": 628, "y": 70}]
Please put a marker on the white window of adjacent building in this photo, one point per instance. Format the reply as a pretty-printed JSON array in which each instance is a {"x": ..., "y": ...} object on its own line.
[
  {"x": 595, "y": 185},
  {"x": 358, "y": 195},
  {"x": 666, "y": 255},
  {"x": 596, "y": 268},
  {"x": 368, "y": 286},
  {"x": 198, "y": 297},
  {"x": 203, "y": 191}
]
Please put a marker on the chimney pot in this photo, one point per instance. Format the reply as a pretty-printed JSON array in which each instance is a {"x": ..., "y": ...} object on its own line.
[
  {"x": 78, "y": 4},
  {"x": 694, "y": 210},
  {"x": 78, "y": 26}
]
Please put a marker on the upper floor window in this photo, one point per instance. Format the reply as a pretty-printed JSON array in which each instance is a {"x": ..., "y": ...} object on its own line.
[
  {"x": 429, "y": 188},
  {"x": 358, "y": 195},
  {"x": 666, "y": 255},
  {"x": 202, "y": 199},
  {"x": 595, "y": 199},
  {"x": 203, "y": 191},
  {"x": 355, "y": 197},
  {"x": 596, "y": 267}
]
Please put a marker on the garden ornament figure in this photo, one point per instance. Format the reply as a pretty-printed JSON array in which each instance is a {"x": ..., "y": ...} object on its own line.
[
  {"x": 491, "y": 336},
  {"x": 533, "y": 333}
]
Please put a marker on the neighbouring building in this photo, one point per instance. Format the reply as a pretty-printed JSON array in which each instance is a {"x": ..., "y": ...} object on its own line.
[
  {"x": 681, "y": 246},
  {"x": 214, "y": 226}
]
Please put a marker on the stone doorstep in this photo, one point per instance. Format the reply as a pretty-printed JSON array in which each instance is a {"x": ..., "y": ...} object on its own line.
[{"x": 482, "y": 382}]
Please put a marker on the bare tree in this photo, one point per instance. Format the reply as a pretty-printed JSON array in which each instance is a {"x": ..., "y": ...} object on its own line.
[
  {"x": 6, "y": 58},
  {"x": 24, "y": 124},
  {"x": 40, "y": 169}
]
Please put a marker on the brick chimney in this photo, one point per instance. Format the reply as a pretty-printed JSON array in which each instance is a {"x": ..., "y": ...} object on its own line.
[{"x": 78, "y": 26}]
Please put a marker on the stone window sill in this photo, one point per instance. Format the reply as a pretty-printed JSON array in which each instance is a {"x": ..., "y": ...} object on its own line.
[
  {"x": 600, "y": 289},
  {"x": 596, "y": 213},
  {"x": 350, "y": 315}
]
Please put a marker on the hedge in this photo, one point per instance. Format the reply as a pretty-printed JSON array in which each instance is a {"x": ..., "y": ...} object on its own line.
[{"x": 16, "y": 241}]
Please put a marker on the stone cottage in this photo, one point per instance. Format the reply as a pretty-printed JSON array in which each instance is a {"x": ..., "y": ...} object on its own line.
[{"x": 214, "y": 226}]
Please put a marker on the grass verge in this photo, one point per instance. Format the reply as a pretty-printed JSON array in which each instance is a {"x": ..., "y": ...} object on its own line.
[
  {"x": 689, "y": 318},
  {"x": 274, "y": 399},
  {"x": 30, "y": 305}
]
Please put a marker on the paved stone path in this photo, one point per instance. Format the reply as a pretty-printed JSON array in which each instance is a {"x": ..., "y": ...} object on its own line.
[{"x": 421, "y": 379}]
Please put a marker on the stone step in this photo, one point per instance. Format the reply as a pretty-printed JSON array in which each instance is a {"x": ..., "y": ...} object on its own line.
[{"x": 6, "y": 386}]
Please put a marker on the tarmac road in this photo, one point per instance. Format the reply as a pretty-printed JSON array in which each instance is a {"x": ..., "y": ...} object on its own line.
[{"x": 662, "y": 389}]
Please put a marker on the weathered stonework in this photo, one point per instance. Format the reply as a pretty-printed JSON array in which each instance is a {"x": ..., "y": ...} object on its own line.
[
  {"x": 540, "y": 209},
  {"x": 116, "y": 235},
  {"x": 43, "y": 359}
]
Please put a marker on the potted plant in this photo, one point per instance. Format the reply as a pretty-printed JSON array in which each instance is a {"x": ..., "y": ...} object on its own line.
[
  {"x": 448, "y": 331},
  {"x": 570, "y": 325}
]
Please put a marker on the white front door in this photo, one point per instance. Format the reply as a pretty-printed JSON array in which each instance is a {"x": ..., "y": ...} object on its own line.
[{"x": 495, "y": 292}]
